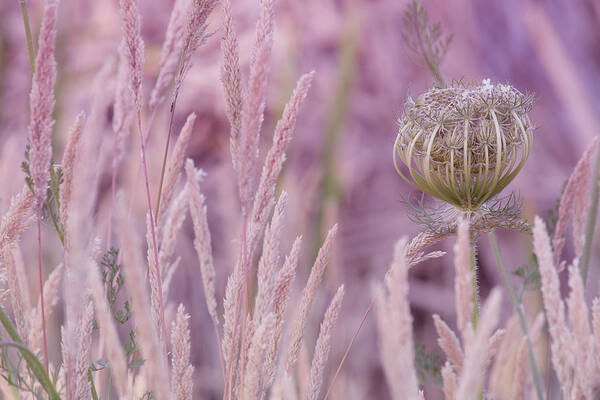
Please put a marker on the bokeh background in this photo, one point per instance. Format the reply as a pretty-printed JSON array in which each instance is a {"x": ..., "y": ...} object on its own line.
[{"x": 339, "y": 167}]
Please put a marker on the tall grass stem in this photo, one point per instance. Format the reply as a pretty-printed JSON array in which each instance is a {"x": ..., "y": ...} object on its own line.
[
  {"x": 519, "y": 309},
  {"x": 153, "y": 231},
  {"x": 590, "y": 225}
]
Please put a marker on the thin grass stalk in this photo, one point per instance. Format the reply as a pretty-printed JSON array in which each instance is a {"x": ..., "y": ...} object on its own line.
[
  {"x": 339, "y": 368},
  {"x": 30, "y": 48},
  {"x": 519, "y": 309},
  {"x": 164, "y": 163},
  {"x": 475, "y": 316},
  {"x": 229, "y": 374},
  {"x": 41, "y": 281},
  {"x": 153, "y": 231},
  {"x": 590, "y": 225}
]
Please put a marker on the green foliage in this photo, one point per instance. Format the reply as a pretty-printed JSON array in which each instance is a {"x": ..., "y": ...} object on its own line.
[
  {"x": 51, "y": 206},
  {"x": 428, "y": 366},
  {"x": 34, "y": 367},
  {"x": 530, "y": 276},
  {"x": 114, "y": 280}
]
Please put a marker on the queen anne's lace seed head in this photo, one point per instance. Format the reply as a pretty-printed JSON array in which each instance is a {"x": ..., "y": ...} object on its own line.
[{"x": 464, "y": 144}]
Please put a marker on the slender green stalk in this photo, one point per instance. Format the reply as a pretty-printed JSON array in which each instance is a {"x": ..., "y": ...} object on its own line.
[
  {"x": 92, "y": 386},
  {"x": 28, "y": 35},
  {"x": 590, "y": 225},
  {"x": 475, "y": 316},
  {"x": 519, "y": 309},
  {"x": 32, "y": 362}
]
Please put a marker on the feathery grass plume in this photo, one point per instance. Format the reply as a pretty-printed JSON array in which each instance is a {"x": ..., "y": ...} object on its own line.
[
  {"x": 170, "y": 53},
  {"x": 254, "y": 385},
  {"x": 182, "y": 371},
  {"x": 154, "y": 276},
  {"x": 109, "y": 334},
  {"x": 123, "y": 112},
  {"x": 172, "y": 225},
  {"x": 202, "y": 240},
  {"x": 133, "y": 48},
  {"x": 283, "y": 283},
  {"x": 463, "y": 280},
  {"x": 155, "y": 365},
  {"x": 323, "y": 345},
  {"x": 265, "y": 194},
  {"x": 521, "y": 365},
  {"x": 596, "y": 331},
  {"x": 80, "y": 386},
  {"x": 520, "y": 372},
  {"x": 41, "y": 103},
  {"x": 476, "y": 351},
  {"x": 494, "y": 345},
  {"x": 231, "y": 79},
  {"x": 51, "y": 292},
  {"x": 254, "y": 105},
  {"x": 17, "y": 218},
  {"x": 68, "y": 165},
  {"x": 394, "y": 328},
  {"x": 449, "y": 343},
  {"x": 308, "y": 295},
  {"x": 231, "y": 335},
  {"x": 124, "y": 102},
  {"x": 193, "y": 37},
  {"x": 18, "y": 290},
  {"x": 574, "y": 204},
  {"x": 562, "y": 341},
  {"x": 583, "y": 340},
  {"x": 464, "y": 144},
  {"x": 448, "y": 381},
  {"x": 195, "y": 33},
  {"x": 269, "y": 261},
  {"x": 174, "y": 169}
]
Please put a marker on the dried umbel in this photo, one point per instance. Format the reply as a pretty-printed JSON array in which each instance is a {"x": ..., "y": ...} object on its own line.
[{"x": 464, "y": 144}]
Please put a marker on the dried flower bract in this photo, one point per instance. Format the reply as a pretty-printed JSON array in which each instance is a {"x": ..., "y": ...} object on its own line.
[{"x": 464, "y": 143}]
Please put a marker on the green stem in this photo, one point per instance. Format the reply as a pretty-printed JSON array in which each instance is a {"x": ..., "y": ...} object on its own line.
[
  {"x": 32, "y": 362},
  {"x": 475, "y": 316},
  {"x": 518, "y": 306},
  {"x": 54, "y": 219},
  {"x": 28, "y": 35},
  {"x": 590, "y": 225},
  {"x": 92, "y": 386}
]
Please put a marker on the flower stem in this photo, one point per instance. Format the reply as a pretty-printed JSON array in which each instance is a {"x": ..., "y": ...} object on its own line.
[
  {"x": 590, "y": 225},
  {"x": 475, "y": 316},
  {"x": 40, "y": 273},
  {"x": 518, "y": 306}
]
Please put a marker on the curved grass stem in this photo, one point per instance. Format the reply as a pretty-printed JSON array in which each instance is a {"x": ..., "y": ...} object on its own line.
[
  {"x": 32, "y": 362},
  {"x": 518, "y": 306},
  {"x": 590, "y": 225},
  {"x": 41, "y": 282}
]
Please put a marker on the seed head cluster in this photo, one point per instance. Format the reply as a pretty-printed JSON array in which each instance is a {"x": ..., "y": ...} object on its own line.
[{"x": 464, "y": 143}]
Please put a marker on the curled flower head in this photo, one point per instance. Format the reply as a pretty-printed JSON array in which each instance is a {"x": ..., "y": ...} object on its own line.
[{"x": 464, "y": 144}]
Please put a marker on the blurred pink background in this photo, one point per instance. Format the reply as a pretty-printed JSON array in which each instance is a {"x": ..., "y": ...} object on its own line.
[{"x": 339, "y": 167}]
